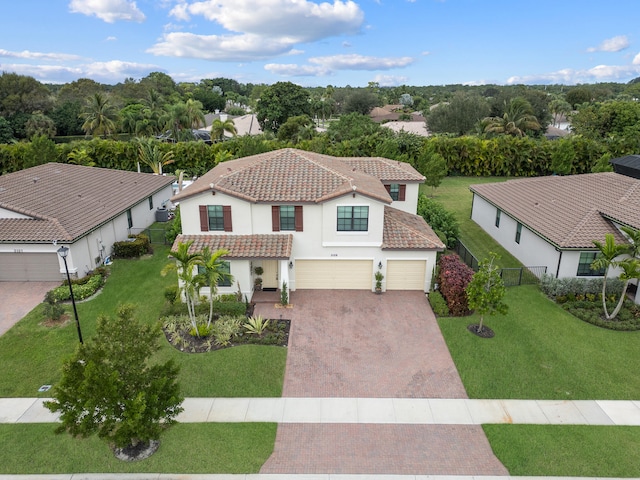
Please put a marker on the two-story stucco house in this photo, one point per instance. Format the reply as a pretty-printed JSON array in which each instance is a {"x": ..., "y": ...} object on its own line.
[{"x": 313, "y": 221}]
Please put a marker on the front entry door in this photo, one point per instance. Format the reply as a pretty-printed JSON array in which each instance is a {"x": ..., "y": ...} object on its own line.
[{"x": 270, "y": 274}]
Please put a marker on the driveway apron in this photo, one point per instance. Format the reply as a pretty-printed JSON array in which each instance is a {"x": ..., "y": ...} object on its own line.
[
  {"x": 19, "y": 298},
  {"x": 348, "y": 343}
]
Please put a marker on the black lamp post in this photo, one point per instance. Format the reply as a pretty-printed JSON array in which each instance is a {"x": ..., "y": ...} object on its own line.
[{"x": 63, "y": 252}]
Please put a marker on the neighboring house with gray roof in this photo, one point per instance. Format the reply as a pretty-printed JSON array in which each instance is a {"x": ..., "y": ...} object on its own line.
[
  {"x": 84, "y": 208},
  {"x": 552, "y": 221},
  {"x": 313, "y": 221}
]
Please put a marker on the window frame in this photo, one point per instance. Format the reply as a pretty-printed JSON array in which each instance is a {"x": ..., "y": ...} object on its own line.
[
  {"x": 215, "y": 216},
  {"x": 349, "y": 223},
  {"x": 150, "y": 202},
  {"x": 228, "y": 283},
  {"x": 584, "y": 269},
  {"x": 518, "y": 233},
  {"x": 288, "y": 221},
  {"x": 498, "y": 216},
  {"x": 129, "y": 218}
]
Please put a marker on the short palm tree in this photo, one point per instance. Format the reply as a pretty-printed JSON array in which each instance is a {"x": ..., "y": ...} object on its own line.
[
  {"x": 150, "y": 154},
  {"x": 516, "y": 120},
  {"x": 214, "y": 273},
  {"x": 189, "y": 281},
  {"x": 99, "y": 116},
  {"x": 218, "y": 128},
  {"x": 609, "y": 251}
]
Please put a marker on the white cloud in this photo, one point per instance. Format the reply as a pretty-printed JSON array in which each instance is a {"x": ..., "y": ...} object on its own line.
[
  {"x": 390, "y": 80},
  {"x": 27, "y": 55},
  {"x": 568, "y": 76},
  {"x": 636, "y": 59},
  {"x": 614, "y": 44},
  {"x": 361, "y": 62},
  {"x": 108, "y": 10},
  {"x": 107, "y": 72},
  {"x": 328, "y": 65},
  {"x": 258, "y": 29},
  {"x": 111, "y": 39}
]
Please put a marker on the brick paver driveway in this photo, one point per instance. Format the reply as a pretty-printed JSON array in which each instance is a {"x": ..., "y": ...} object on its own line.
[
  {"x": 19, "y": 298},
  {"x": 357, "y": 344}
]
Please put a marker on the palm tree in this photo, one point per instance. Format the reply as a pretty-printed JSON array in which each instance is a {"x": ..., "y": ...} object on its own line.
[
  {"x": 99, "y": 116},
  {"x": 516, "y": 120},
  {"x": 150, "y": 154},
  {"x": 218, "y": 127},
  {"x": 188, "y": 282},
  {"x": 630, "y": 270},
  {"x": 194, "y": 113},
  {"x": 609, "y": 251},
  {"x": 214, "y": 273},
  {"x": 176, "y": 119}
]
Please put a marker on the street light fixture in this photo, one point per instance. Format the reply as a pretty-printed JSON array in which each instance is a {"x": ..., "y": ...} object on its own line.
[{"x": 63, "y": 252}]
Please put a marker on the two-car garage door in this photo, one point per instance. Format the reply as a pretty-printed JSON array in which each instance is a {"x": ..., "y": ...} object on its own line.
[
  {"x": 334, "y": 274},
  {"x": 358, "y": 274},
  {"x": 29, "y": 267}
]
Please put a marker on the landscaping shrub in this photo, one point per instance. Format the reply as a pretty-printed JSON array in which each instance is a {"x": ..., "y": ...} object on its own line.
[
  {"x": 591, "y": 312},
  {"x": 52, "y": 308},
  {"x": 80, "y": 290},
  {"x": 453, "y": 278},
  {"x": 438, "y": 304},
  {"x": 443, "y": 222},
  {"x": 132, "y": 249},
  {"x": 171, "y": 294},
  {"x": 563, "y": 289}
]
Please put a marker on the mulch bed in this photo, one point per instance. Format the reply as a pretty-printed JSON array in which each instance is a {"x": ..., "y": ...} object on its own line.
[
  {"x": 486, "y": 332},
  {"x": 134, "y": 453},
  {"x": 277, "y": 334}
]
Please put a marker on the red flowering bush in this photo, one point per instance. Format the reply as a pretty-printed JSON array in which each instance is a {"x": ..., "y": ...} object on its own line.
[{"x": 453, "y": 279}]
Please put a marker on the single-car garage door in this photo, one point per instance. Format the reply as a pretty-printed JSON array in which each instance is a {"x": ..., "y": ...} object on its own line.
[
  {"x": 338, "y": 274},
  {"x": 406, "y": 274},
  {"x": 29, "y": 267}
]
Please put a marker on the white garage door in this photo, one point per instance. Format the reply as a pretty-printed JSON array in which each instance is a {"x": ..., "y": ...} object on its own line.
[
  {"x": 29, "y": 267},
  {"x": 406, "y": 274},
  {"x": 338, "y": 274}
]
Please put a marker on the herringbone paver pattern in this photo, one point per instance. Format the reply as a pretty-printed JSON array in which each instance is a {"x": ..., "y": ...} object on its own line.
[{"x": 358, "y": 344}]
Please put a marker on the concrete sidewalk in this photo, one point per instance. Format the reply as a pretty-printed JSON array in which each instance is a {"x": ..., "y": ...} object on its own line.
[
  {"x": 313, "y": 476},
  {"x": 373, "y": 411}
]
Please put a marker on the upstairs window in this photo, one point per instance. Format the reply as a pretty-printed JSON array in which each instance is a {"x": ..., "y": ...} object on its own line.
[
  {"x": 396, "y": 191},
  {"x": 286, "y": 217},
  {"x": 215, "y": 218},
  {"x": 353, "y": 219}
]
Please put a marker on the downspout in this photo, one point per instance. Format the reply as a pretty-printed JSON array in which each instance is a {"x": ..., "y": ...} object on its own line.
[
  {"x": 559, "y": 262},
  {"x": 473, "y": 197}
]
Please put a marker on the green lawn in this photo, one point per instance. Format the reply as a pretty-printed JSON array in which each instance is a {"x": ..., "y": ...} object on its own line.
[
  {"x": 31, "y": 354},
  {"x": 184, "y": 448},
  {"x": 455, "y": 195}
]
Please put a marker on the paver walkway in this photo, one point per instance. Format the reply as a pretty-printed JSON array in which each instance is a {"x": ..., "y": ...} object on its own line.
[{"x": 349, "y": 343}]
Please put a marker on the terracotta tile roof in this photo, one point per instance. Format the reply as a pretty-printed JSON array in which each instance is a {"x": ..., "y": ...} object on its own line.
[
  {"x": 404, "y": 231},
  {"x": 569, "y": 211},
  {"x": 291, "y": 175},
  {"x": 67, "y": 201},
  {"x": 277, "y": 246}
]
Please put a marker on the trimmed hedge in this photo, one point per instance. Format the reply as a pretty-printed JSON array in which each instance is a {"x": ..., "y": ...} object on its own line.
[
  {"x": 563, "y": 289},
  {"x": 80, "y": 291},
  {"x": 454, "y": 276},
  {"x": 132, "y": 249},
  {"x": 438, "y": 304}
]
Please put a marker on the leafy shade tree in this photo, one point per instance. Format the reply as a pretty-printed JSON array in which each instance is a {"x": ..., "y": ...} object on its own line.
[
  {"x": 434, "y": 168},
  {"x": 218, "y": 128},
  {"x": 190, "y": 283},
  {"x": 361, "y": 101},
  {"x": 297, "y": 128},
  {"x": 352, "y": 126},
  {"x": 150, "y": 154},
  {"x": 214, "y": 272},
  {"x": 40, "y": 124},
  {"x": 486, "y": 291},
  {"x": 459, "y": 116},
  {"x": 562, "y": 157},
  {"x": 516, "y": 120},
  {"x": 609, "y": 252},
  {"x": 110, "y": 387},
  {"x": 20, "y": 94},
  {"x": 6, "y": 132},
  {"x": 279, "y": 102},
  {"x": 443, "y": 222},
  {"x": 99, "y": 116},
  {"x": 66, "y": 117},
  {"x": 610, "y": 119}
]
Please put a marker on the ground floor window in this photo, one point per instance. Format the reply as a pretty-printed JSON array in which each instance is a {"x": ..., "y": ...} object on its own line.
[{"x": 584, "y": 265}]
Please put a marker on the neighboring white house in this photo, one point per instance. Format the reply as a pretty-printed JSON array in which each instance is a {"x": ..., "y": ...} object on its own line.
[
  {"x": 84, "y": 208},
  {"x": 553, "y": 221},
  {"x": 312, "y": 221}
]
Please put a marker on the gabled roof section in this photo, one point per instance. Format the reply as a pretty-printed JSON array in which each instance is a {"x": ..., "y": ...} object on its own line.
[
  {"x": 292, "y": 175},
  {"x": 274, "y": 246},
  {"x": 404, "y": 231},
  {"x": 569, "y": 211},
  {"x": 67, "y": 201}
]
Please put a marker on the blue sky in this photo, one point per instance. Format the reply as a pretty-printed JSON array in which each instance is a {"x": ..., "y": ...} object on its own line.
[{"x": 316, "y": 43}]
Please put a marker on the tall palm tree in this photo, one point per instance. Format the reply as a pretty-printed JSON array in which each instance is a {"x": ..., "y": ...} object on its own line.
[
  {"x": 609, "y": 251},
  {"x": 516, "y": 120},
  {"x": 188, "y": 281},
  {"x": 194, "y": 113},
  {"x": 99, "y": 116},
  {"x": 150, "y": 154},
  {"x": 214, "y": 273},
  {"x": 218, "y": 127}
]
